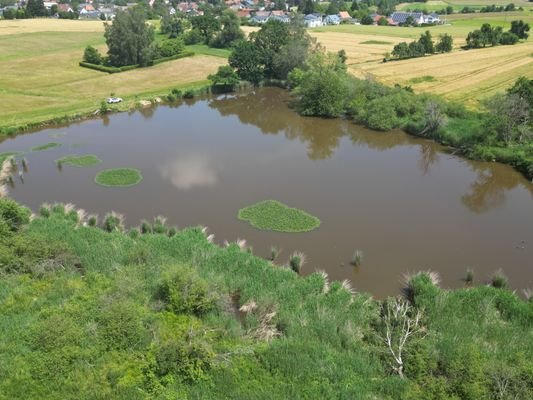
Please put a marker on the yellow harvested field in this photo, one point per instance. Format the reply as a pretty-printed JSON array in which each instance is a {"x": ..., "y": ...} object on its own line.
[
  {"x": 461, "y": 75},
  {"x": 13, "y": 27}
]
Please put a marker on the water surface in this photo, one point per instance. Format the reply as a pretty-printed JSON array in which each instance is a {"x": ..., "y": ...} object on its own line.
[{"x": 405, "y": 202}]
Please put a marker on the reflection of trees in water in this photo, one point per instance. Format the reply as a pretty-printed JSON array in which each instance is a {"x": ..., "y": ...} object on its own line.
[
  {"x": 267, "y": 109},
  {"x": 428, "y": 156},
  {"x": 488, "y": 190}
]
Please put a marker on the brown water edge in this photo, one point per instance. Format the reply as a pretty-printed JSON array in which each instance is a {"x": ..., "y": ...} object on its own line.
[{"x": 401, "y": 200}]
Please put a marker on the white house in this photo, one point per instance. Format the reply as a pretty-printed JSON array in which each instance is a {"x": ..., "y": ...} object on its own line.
[{"x": 313, "y": 21}]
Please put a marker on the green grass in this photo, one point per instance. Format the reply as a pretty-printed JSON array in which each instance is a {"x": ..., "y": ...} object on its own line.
[
  {"x": 88, "y": 160},
  {"x": 421, "y": 79},
  {"x": 88, "y": 314},
  {"x": 121, "y": 177},
  {"x": 60, "y": 90},
  {"x": 375, "y": 42},
  {"x": 275, "y": 216},
  {"x": 208, "y": 51},
  {"x": 47, "y": 146}
]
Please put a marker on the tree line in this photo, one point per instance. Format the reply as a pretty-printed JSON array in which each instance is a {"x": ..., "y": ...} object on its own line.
[
  {"x": 424, "y": 45},
  {"x": 489, "y": 35}
]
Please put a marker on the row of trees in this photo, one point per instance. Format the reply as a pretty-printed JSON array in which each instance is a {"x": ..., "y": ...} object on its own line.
[
  {"x": 423, "y": 46},
  {"x": 488, "y": 35}
]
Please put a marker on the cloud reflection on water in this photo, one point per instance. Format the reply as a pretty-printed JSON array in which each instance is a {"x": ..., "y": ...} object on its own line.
[{"x": 189, "y": 172}]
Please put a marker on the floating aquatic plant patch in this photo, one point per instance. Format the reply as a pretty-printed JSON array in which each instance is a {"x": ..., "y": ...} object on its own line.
[
  {"x": 275, "y": 216},
  {"x": 121, "y": 177},
  {"x": 47, "y": 146},
  {"x": 88, "y": 160}
]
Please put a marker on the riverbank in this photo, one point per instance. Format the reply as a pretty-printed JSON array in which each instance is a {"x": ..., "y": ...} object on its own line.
[{"x": 171, "y": 314}]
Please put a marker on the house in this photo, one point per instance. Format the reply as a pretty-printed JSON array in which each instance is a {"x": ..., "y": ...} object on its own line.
[
  {"x": 48, "y": 4},
  {"x": 400, "y": 18},
  {"x": 66, "y": 8},
  {"x": 344, "y": 15},
  {"x": 313, "y": 21},
  {"x": 259, "y": 19},
  {"x": 283, "y": 18},
  {"x": 332, "y": 20},
  {"x": 244, "y": 13}
]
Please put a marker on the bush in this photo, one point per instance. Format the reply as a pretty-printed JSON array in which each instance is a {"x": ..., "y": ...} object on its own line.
[
  {"x": 185, "y": 293},
  {"x": 92, "y": 56},
  {"x": 13, "y": 214},
  {"x": 381, "y": 114},
  {"x": 194, "y": 36},
  {"x": 171, "y": 47}
]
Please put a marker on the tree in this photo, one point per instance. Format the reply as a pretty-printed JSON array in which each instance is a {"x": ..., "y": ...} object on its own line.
[
  {"x": 523, "y": 87},
  {"x": 129, "y": 38},
  {"x": 306, "y": 7},
  {"x": 509, "y": 117},
  {"x": 401, "y": 50},
  {"x": 174, "y": 26},
  {"x": 367, "y": 20},
  {"x": 231, "y": 31},
  {"x": 520, "y": 29},
  {"x": 508, "y": 38},
  {"x": 246, "y": 58},
  {"x": 36, "y": 8},
  {"x": 92, "y": 56},
  {"x": 383, "y": 21},
  {"x": 207, "y": 25},
  {"x": 445, "y": 44},
  {"x": 225, "y": 78},
  {"x": 401, "y": 323},
  {"x": 333, "y": 8},
  {"x": 427, "y": 42}
]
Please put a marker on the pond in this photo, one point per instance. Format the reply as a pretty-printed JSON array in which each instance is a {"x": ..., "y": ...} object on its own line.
[{"x": 406, "y": 203}]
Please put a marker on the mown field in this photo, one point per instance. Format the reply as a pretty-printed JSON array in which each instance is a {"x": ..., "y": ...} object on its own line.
[
  {"x": 461, "y": 75},
  {"x": 41, "y": 79}
]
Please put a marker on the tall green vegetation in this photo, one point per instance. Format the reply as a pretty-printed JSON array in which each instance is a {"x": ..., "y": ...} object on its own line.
[
  {"x": 423, "y": 46},
  {"x": 488, "y": 35},
  {"x": 502, "y": 132},
  {"x": 273, "y": 51},
  {"x": 98, "y": 313},
  {"x": 129, "y": 39},
  {"x": 230, "y": 33}
]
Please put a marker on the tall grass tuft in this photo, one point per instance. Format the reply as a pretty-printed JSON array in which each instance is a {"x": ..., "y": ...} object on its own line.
[
  {"x": 6, "y": 170},
  {"x": 92, "y": 220},
  {"x": 145, "y": 227},
  {"x": 469, "y": 278},
  {"x": 113, "y": 222},
  {"x": 274, "y": 253},
  {"x": 297, "y": 261},
  {"x": 134, "y": 233},
  {"x": 82, "y": 215},
  {"x": 325, "y": 277},
  {"x": 159, "y": 225},
  {"x": 3, "y": 191},
  {"x": 24, "y": 164},
  {"x": 45, "y": 211},
  {"x": 241, "y": 243},
  {"x": 58, "y": 208},
  {"x": 528, "y": 294},
  {"x": 172, "y": 231},
  {"x": 499, "y": 280},
  {"x": 357, "y": 258},
  {"x": 346, "y": 285}
]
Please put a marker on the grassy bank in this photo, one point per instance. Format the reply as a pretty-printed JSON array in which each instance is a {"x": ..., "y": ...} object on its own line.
[
  {"x": 42, "y": 81},
  {"x": 91, "y": 314}
]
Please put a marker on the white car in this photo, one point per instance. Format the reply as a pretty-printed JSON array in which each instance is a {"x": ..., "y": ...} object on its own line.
[{"x": 113, "y": 100}]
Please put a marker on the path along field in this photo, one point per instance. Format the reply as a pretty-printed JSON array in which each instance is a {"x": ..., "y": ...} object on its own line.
[
  {"x": 41, "y": 79},
  {"x": 467, "y": 76}
]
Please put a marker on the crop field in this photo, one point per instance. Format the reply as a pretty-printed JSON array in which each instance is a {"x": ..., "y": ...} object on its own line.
[
  {"x": 434, "y": 5},
  {"x": 462, "y": 75},
  {"x": 41, "y": 78}
]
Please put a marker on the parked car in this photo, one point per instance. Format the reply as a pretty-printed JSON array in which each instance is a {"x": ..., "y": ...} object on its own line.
[{"x": 113, "y": 100}]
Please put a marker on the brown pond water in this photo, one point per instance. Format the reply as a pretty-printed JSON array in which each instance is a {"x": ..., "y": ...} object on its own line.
[{"x": 404, "y": 202}]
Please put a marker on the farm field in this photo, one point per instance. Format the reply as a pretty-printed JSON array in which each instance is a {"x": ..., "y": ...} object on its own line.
[
  {"x": 434, "y": 5},
  {"x": 42, "y": 80},
  {"x": 467, "y": 76}
]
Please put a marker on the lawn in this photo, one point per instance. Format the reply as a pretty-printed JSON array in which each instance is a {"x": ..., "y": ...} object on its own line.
[{"x": 42, "y": 79}]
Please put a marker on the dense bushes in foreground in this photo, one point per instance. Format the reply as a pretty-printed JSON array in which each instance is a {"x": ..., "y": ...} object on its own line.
[{"x": 161, "y": 315}]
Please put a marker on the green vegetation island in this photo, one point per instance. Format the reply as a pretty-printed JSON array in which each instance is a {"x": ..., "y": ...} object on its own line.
[{"x": 93, "y": 309}]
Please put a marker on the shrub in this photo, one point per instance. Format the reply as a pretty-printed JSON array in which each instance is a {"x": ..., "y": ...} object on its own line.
[
  {"x": 190, "y": 361},
  {"x": 498, "y": 280},
  {"x": 171, "y": 47},
  {"x": 184, "y": 293},
  {"x": 113, "y": 222},
  {"x": 13, "y": 214},
  {"x": 92, "y": 56},
  {"x": 194, "y": 36},
  {"x": 189, "y": 94}
]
